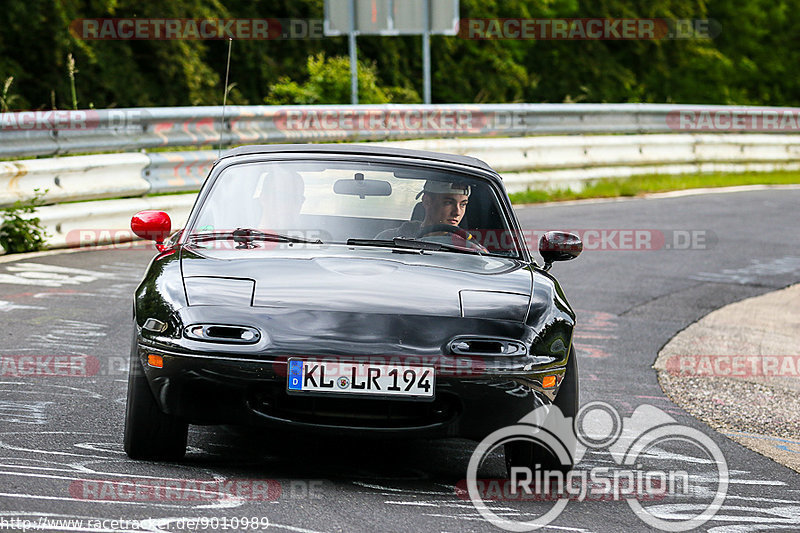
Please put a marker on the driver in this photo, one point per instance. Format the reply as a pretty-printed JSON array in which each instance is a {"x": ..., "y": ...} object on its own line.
[
  {"x": 280, "y": 193},
  {"x": 444, "y": 202}
]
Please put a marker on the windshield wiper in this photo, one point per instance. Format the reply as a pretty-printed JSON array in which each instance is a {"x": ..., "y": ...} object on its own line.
[
  {"x": 245, "y": 236},
  {"x": 412, "y": 244}
]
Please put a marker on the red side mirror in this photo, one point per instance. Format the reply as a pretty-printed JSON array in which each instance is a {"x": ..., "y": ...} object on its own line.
[
  {"x": 559, "y": 246},
  {"x": 152, "y": 226}
]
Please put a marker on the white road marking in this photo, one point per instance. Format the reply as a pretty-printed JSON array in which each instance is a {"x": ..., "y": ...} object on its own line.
[
  {"x": 37, "y": 388},
  {"x": 420, "y": 504},
  {"x": 11, "y": 306},
  {"x": 753, "y": 272},
  {"x": 789, "y": 514},
  {"x": 49, "y": 275},
  {"x": 394, "y": 490},
  {"x": 23, "y": 412},
  {"x": 72, "y": 335}
]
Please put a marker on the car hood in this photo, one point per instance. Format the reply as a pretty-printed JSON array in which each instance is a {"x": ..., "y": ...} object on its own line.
[{"x": 366, "y": 280}]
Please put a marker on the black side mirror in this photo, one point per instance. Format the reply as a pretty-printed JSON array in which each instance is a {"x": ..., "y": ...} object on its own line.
[{"x": 559, "y": 246}]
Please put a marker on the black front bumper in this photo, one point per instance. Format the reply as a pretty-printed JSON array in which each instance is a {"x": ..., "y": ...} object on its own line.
[{"x": 210, "y": 390}]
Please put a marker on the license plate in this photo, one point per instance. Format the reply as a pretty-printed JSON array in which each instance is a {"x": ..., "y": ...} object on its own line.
[{"x": 368, "y": 379}]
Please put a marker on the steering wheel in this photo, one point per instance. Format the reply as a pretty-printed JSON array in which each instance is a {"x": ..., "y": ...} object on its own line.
[{"x": 468, "y": 238}]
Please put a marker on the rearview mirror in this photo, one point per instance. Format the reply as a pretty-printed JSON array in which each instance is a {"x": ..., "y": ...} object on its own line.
[
  {"x": 358, "y": 186},
  {"x": 559, "y": 246},
  {"x": 152, "y": 226}
]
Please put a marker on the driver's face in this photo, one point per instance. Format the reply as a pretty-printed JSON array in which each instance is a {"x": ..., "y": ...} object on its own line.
[{"x": 444, "y": 208}]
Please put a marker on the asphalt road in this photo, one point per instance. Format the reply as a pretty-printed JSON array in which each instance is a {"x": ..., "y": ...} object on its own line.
[{"x": 61, "y": 437}]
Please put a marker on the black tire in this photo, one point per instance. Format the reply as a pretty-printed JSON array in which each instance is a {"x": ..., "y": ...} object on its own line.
[
  {"x": 520, "y": 453},
  {"x": 149, "y": 432}
]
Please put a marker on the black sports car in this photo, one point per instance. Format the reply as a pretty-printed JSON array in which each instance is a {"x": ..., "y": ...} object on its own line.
[{"x": 347, "y": 288}]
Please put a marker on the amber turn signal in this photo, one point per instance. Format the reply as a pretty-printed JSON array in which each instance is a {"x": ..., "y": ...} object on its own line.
[
  {"x": 155, "y": 361},
  {"x": 549, "y": 382}
]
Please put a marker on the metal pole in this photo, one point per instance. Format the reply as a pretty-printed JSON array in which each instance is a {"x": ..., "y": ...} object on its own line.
[
  {"x": 224, "y": 98},
  {"x": 426, "y": 51},
  {"x": 353, "y": 55}
]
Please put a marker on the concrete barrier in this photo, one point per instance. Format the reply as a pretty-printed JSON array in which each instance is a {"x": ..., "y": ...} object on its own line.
[
  {"x": 524, "y": 162},
  {"x": 178, "y": 171},
  {"x": 553, "y": 162},
  {"x": 85, "y": 224}
]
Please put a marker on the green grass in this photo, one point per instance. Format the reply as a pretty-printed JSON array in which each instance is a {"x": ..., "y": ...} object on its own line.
[{"x": 637, "y": 185}]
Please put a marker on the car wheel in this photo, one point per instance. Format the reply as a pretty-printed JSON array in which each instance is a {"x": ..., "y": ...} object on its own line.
[
  {"x": 149, "y": 432},
  {"x": 521, "y": 453}
]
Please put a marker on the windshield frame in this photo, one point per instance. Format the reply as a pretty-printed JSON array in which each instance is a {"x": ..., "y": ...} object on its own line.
[{"x": 492, "y": 180}]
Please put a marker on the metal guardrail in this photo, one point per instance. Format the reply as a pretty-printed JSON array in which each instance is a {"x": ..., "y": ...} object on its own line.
[
  {"x": 562, "y": 161},
  {"x": 68, "y": 179},
  {"x": 551, "y": 161},
  {"x": 178, "y": 171},
  {"x": 85, "y": 224},
  {"x": 528, "y": 162},
  {"x": 531, "y": 145},
  {"x": 36, "y": 133},
  {"x": 557, "y": 161}
]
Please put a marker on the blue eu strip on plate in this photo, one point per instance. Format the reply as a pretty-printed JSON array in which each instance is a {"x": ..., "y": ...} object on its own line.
[{"x": 295, "y": 375}]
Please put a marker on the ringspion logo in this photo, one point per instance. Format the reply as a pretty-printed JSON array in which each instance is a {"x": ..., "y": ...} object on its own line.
[{"x": 641, "y": 468}]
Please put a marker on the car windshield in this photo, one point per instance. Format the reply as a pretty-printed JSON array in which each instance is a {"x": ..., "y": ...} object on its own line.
[{"x": 354, "y": 203}]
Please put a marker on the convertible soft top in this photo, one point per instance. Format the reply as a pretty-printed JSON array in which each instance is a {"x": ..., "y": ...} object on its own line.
[{"x": 358, "y": 149}]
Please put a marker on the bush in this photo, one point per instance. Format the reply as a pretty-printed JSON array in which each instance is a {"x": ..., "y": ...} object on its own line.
[
  {"x": 20, "y": 231},
  {"x": 402, "y": 95},
  {"x": 329, "y": 83}
]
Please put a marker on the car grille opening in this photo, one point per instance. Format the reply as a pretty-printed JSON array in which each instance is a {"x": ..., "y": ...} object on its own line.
[
  {"x": 490, "y": 347},
  {"x": 356, "y": 412},
  {"x": 223, "y": 333},
  {"x": 484, "y": 347}
]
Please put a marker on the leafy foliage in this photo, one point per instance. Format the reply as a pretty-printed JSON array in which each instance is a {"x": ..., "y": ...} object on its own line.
[
  {"x": 20, "y": 230},
  {"x": 751, "y": 61},
  {"x": 7, "y": 100},
  {"x": 329, "y": 83}
]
